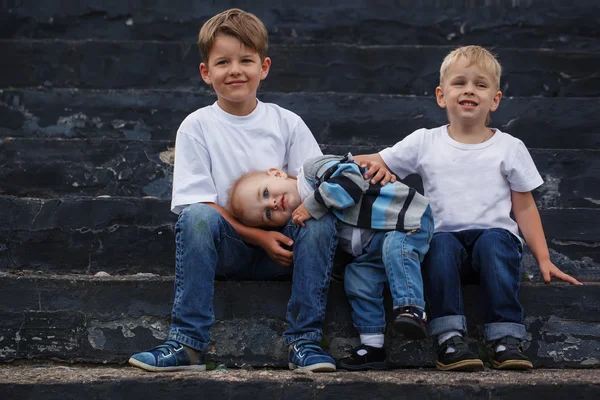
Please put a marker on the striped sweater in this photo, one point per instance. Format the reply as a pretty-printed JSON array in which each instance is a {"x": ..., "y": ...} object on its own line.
[{"x": 340, "y": 187}]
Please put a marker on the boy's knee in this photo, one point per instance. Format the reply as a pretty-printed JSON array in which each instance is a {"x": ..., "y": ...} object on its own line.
[
  {"x": 200, "y": 215},
  {"x": 324, "y": 227},
  {"x": 496, "y": 240},
  {"x": 443, "y": 242}
]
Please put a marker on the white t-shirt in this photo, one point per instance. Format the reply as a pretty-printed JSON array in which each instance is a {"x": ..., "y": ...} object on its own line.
[
  {"x": 468, "y": 185},
  {"x": 214, "y": 148}
]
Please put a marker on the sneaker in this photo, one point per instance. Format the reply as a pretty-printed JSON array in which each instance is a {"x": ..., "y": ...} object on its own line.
[
  {"x": 512, "y": 356},
  {"x": 461, "y": 359},
  {"x": 308, "y": 355},
  {"x": 410, "y": 322},
  {"x": 169, "y": 356},
  {"x": 363, "y": 358}
]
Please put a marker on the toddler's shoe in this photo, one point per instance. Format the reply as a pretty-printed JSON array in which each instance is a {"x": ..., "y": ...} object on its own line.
[
  {"x": 169, "y": 356},
  {"x": 308, "y": 355},
  {"x": 454, "y": 355},
  {"x": 411, "y": 322},
  {"x": 364, "y": 358},
  {"x": 508, "y": 355}
]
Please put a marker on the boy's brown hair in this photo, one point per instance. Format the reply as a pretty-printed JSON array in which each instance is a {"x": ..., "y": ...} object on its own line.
[
  {"x": 474, "y": 55},
  {"x": 244, "y": 26}
]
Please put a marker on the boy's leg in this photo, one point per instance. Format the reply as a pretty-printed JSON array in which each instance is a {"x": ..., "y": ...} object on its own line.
[
  {"x": 364, "y": 281},
  {"x": 205, "y": 244},
  {"x": 442, "y": 281},
  {"x": 314, "y": 248},
  {"x": 403, "y": 254},
  {"x": 497, "y": 257}
]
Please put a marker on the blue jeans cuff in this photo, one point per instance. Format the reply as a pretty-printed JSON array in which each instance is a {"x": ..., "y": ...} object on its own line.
[
  {"x": 409, "y": 301},
  {"x": 498, "y": 330},
  {"x": 370, "y": 329},
  {"x": 186, "y": 341},
  {"x": 314, "y": 336},
  {"x": 448, "y": 323}
]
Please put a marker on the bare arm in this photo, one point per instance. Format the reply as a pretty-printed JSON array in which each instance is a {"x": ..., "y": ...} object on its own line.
[
  {"x": 270, "y": 241},
  {"x": 378, "y": 170},
  {"x": 528, "y": 219}
]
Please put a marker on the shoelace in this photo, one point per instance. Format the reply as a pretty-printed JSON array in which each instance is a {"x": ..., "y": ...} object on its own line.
[
  {"x": 168, "y": 347},
  {"x": 307, "y": 346}
]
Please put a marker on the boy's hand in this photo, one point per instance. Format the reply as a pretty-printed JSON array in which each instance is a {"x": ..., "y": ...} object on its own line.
[
  {"x": 272, "y": 242},
  {"x": 300, "y": 215},
  {"x": 378, "y": 172},
  {"x": 549, "y": 270}
]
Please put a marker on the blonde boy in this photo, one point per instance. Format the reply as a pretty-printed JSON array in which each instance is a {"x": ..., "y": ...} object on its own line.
[
  {"x": 214, "y": 145},
  {"x": 475, "y": 177}
]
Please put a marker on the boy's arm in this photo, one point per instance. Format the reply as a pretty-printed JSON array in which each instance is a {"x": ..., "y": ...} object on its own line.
[
  {"x": 270, "y": 241},
  {"x": 339, "y": 192},
  {"x": 528, "y": 219},
  {"x": 377, "y": 171}
]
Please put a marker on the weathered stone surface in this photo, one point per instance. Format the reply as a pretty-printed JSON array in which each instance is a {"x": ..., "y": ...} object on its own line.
[
  {"x": 65, "y": 383},
  {"x": 54, "y": 168},
  {"x": 129, "y": 235},
  {"x": 528, "y": 23},
  {"x": 348, "y": 69},
  {"x": 106, "y": 319},
  {"x": 370, "y": 120}
]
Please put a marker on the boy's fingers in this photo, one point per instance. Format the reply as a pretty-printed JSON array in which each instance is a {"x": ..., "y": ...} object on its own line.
[
  {"x": 546, "y": 276},
  {"x": 568, "y": 278}
]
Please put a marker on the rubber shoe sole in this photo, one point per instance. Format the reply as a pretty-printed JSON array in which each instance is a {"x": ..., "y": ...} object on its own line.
[
  {"x": 152, "y": 368},
  {"x": 464, "y": 365},
  {"x": 319, "y": 367},
  {"x": 522, "y": 365},
  {"x": 377, "y": 366},
  {"x": 409, "y": 328}
]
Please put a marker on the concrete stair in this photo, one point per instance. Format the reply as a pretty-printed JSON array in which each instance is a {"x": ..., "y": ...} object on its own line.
[
  {"x": 66, "y": 383},
  {"x": 91, "y": 95}
]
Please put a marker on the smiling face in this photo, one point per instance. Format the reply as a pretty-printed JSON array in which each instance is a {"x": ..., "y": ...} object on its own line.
[
  {"x": 468, "y": 92},
  {"x": 235, "y": 72},
  {"x": 266, "y": 199}
]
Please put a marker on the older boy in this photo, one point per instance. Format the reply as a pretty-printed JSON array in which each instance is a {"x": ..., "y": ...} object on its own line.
[
  {"x": 215, "y": 144},
  {"x": 386, "y": 228},
  {"x": 475, "y": 177}
]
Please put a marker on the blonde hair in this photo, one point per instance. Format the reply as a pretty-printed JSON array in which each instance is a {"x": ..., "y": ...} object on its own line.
[
  {"x": 474, "y": 55},
  {"x": 244, "y": 26},
  {"x": 234, "y": 206}
]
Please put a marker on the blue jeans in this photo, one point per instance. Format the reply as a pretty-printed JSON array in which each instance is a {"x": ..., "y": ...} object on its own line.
[
  {"x": 491, "y": 255},
  {"x": 208, "y": 246},
  {"x": 393, "y": 256}
]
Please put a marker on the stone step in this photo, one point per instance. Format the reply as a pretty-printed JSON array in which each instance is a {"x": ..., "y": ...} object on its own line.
[
  {"x": 402, "y": 69},
  {"x": 86, "y": 319},
  {"x": 94, "y": 167},
  {"x": 134, "y": 235},
  {"x": 531, "y": 23},
  {"x": 555, "y": 123},
  {"x": 49, "y": 382}
]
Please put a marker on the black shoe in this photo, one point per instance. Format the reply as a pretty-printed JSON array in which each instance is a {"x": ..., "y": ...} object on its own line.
[
  {"x": 363, "y": 358},
  {"x": 461, "y": 359},
  {"x": 512, "y": 357},
  {"x": 410, "y": 322}
]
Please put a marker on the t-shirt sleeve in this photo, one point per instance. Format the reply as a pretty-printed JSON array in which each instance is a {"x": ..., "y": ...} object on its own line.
[
  {"x": 302, "y": 145},
  {"x": 192, "y": 178},
  {"x": 403, "y": 157},
  {"x": 521, "y": 172}
]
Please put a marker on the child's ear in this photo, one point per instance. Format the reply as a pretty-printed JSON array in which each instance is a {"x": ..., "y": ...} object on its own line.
[
  {"x": 265, "y": 67},
  {"x": 496, "y": 101},
  {"x": 276, "y": 173},
  {"x": 439, "y": 96},
  {"x": 204, "y": 74}
]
